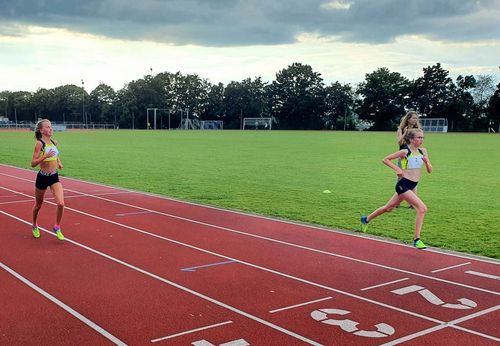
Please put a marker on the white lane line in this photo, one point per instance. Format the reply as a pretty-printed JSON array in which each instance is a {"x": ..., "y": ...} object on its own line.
[
  {"x": 451, "y": 267},
  {"x": 19, "y": 201},
  {"x": 384, "y": 284},
  {"x": 133, "y": 213},
  {"x": 451, "y": 324},
  {"x": 191, "y": 331},
  {"x": 484, "y": 275},
  {"x": 298, "y": 305},
  {"x": 183, "y": 288},
  {"x": 311, "y": 283},
  {"x": 71, "y": 311},
  {"x": 284, "y": 243},
  {"x": 260, "y": 217}
]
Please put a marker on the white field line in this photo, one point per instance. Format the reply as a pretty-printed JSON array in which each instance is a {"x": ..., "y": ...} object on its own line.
[
  {"x": 324, "y": 229},
  {"x": 299, "y": 305},
  {"x": 65, "y": 307},
  {"x": 191, "y": 331},
  {"x": 451, "y": 267},
  {"x": 484, "y": 275},
  {"x": 451, "y": 324},
  {"x": 383, "y": 284},
  {"x": 441, "y": 324},
  {"x": 311, "y": 283},
  {"x": 239, "y": 261},
  {"x": 274, "y": 241},
  {"x": 178, "y": 286}
]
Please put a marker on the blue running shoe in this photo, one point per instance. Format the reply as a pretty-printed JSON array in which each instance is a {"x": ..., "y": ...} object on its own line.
[{"x": 364, "y": 223}]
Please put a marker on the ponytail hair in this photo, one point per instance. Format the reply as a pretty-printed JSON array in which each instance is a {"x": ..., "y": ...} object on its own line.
[{"x": 38, "y": 127}]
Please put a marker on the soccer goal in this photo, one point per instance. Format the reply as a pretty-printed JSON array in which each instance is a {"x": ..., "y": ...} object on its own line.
[
  {"x": 434, "y": 124},
  {"x": 257, "y": 123},
  {"x": 211, "y": 125}
]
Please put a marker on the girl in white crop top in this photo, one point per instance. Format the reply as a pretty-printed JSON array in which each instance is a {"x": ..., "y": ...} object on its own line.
[
  {"x": 46, "y": 155},
  {"x": 413, "y": 157}
]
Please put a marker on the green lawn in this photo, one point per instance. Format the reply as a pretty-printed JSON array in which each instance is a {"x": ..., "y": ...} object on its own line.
[{"x": 283, "y": 174}]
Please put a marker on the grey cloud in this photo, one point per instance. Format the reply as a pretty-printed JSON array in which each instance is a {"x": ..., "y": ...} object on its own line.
[{"x": 251, "y": 22}]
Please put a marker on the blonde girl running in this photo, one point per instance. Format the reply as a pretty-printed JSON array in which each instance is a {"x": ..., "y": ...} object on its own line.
[
  {"x": 413, "y": 157},
  {"x": 46, "y": 155}
]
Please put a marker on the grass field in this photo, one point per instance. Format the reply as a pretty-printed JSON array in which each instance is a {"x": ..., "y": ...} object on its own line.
[{"x": 283, "y": 174}]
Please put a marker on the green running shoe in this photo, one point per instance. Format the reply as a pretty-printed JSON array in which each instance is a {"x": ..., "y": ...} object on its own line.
[
  {"x": 419, "y": 244},
  {"x": 36, "y": 232},
  {"x": 364, "y": 224},
  {"x": 59, "y": 234}
]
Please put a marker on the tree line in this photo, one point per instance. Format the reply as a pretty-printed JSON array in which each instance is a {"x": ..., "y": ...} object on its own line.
[{"x": 297, "y": 99}]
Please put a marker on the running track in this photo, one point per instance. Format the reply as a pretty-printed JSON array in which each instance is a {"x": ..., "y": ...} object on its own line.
[{"x": 140, "y": 269}]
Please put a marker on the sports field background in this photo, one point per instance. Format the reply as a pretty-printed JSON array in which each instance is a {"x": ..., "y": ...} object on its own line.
[{"x": 284, "y": 174}]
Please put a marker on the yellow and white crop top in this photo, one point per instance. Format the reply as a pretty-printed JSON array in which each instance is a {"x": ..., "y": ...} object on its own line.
[
  {"x": 412, "y": 161},
  {"x": 47, "y": 148}
]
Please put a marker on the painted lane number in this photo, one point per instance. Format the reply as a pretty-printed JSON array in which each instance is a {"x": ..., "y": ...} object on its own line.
[
  {"x": 350, "y": 326},
  {"x": 433, "y": 299}
]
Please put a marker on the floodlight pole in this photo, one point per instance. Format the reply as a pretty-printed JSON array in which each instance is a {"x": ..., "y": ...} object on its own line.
[{"x": 83, "y": 103}]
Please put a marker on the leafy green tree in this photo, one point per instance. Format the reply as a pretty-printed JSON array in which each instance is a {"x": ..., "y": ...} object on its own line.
[
  {"x": 382, "y": 98},
  {"x": 494, "y": 110},
  {"x": 101, "y": 104},
  {"x": 338, "y": 105},
  {"x": 68, "y": 103},
  {"x": 19, "y": 106},
  {"x": 43, "y": 103},
  {"x": 432, "y": 91},
  {"x": 215, "y": 106},
  {"x": 245, "y": 99},
  {"x": 460, "y": 106},
  {"x": 4, "y": 103},
  {"x": 296, "y": 98}
]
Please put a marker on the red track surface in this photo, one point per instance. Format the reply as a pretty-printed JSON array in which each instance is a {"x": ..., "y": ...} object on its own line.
[{"x": 140, "y": 269}]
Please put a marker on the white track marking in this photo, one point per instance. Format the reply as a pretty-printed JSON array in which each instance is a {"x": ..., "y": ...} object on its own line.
[
  {"x": 299, "y": 305},
  {"x": 451, "y": 267},
  {"x": 484, "y": 275},
  {"x": 444, "y": 324},
  {"x": 261, "y": 217},
  {"x": 451, "y": 324},
  {"x": 59, "y": 303},
  {"x": 264, "y": 238},
  {"x": 183, "y": 288},
  {"x": 191, "y": 331},
  {"x": 384, "y": 284},
  {"x": 133, "y": 213},
  {"x": 352, "y": 295}
]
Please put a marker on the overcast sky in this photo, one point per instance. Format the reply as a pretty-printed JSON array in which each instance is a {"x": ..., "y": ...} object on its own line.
[{"x": 47, "y": 43}]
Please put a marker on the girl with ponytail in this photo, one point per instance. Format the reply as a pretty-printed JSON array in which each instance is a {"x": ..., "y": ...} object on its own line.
[
  {"x": 46, "y": 154},
  {"x": 413, "y": 157}
]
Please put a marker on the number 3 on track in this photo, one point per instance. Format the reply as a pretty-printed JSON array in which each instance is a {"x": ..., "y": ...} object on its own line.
[{"x": 349, "y": 326}]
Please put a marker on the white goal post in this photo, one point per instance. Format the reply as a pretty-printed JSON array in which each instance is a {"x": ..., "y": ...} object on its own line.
[
  {"x": 257, "y": 123},
  {"x": 434, "y": 124}
]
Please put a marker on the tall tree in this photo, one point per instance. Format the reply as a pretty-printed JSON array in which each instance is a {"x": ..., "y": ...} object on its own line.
[
  {"x": 295, "y": 98},
  {"x": 338, "y": 105},
  {"x": 382, "y": 98},
  {"x": 245, "y": 99},
  {"x": 432, "y": 91},
  {"x": 100, "y": 104},
  {"x": 494, "y": 110}
]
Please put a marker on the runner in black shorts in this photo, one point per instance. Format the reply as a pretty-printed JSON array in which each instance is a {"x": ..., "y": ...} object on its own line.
[
  {"x": 46, "y": 155},
  {"x": 412, "y": 159}
]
